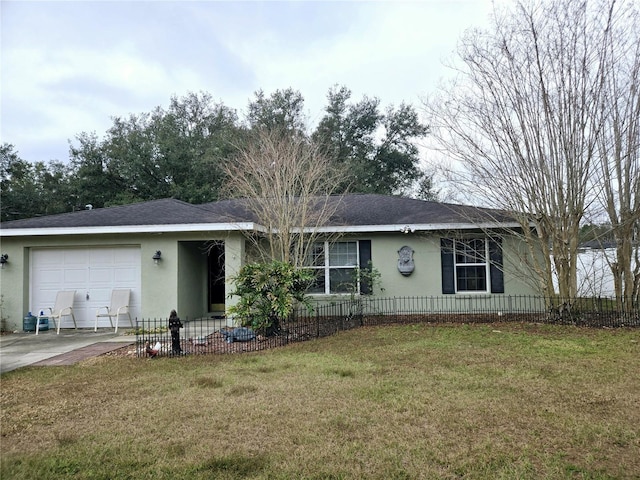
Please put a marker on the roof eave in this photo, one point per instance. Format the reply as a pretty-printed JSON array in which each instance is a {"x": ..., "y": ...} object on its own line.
[
  {"x": 119, "y": 229},
  {"x": 253, "y": 227},
  {"x": 412, "y": 227}
]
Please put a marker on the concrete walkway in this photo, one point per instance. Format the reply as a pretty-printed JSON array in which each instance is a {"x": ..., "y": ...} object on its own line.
[{"x": 71, "y": 346}]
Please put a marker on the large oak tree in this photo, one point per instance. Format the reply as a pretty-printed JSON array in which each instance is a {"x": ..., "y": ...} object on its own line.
[
  {"x": 180, "y": 151},
  {"x": 378, "y": 148}
]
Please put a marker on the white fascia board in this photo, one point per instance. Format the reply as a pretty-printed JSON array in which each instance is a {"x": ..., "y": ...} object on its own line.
[
  {"x": 249, "y": 227},
  {"x": 412, "y": 227},
  {"x": 193, "y": 227}
]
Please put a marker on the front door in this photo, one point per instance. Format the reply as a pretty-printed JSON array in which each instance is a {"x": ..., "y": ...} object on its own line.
[{"x": 216, "y": 279}]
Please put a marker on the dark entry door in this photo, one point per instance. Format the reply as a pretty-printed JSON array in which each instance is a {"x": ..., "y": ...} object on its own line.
[{"x": 216, "y": 278}]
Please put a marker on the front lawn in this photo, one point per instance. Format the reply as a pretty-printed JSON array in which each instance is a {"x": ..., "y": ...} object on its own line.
[{"x": 395, "y": 402}]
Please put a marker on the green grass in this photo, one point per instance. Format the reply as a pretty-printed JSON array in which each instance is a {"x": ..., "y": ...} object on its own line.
[{"x": 400, "y": 402}]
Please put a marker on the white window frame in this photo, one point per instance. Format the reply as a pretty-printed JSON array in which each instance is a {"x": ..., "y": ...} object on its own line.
[
  {"x": 327, "y": 267},
  {"x": 486, "y": 263}
]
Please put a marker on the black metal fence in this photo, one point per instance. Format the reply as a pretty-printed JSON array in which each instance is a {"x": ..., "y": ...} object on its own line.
[{"x": 213, "y": 335}]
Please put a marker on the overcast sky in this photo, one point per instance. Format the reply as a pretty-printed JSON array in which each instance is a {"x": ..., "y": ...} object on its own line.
[{"x": 70, "y": 66}]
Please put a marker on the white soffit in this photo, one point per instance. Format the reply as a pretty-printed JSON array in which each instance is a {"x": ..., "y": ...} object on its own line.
[
  {"x": 194, "y": 227},
  {"x": 226, "y": 227},
  {"x": 412, "y": 228}
]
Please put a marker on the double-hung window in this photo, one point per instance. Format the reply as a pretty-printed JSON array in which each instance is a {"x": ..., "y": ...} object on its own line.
[
  {"x": 334, "y": 264},
  {"x": 471, "y": 265}
]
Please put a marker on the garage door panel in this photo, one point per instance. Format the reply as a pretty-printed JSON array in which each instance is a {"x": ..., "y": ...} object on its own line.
[
  {"x": 75, "y": 277},
  {"x": 46, "y": 260},
  {"x": 74, "y": 257},
  {"x": 124, "y": 276},
  {"x": 101, "y": 295},
  {"x": 101, "y": 257},
  {"x": 92, "y": 272},
  {"x": 50, "y": 276},
  {"x": 101, "y": 275}
]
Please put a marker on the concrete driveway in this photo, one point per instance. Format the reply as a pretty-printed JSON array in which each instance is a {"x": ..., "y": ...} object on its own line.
[{"x": 22, "y": 349}]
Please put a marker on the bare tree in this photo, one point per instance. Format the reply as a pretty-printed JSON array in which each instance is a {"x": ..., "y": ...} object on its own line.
[
  {"x": 287, "y": 184},
  {"x": 618, "y": 166},
  {"x": 523, "y": 122}
]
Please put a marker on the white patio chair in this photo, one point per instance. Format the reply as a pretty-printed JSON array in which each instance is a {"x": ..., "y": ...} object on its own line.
[
  {"x": 119, "y": 306},
  {"x": 62, "y": 308}
]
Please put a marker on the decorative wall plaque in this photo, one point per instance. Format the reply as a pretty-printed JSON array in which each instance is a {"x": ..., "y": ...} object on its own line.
[{"x": 405, "y": 261}]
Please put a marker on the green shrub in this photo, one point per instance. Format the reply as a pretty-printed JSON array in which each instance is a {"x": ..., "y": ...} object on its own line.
[{"x": 268, "y": 294}]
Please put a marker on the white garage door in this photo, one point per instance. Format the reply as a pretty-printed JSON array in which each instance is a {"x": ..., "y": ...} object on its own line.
[{"x": 92, "y": 272}]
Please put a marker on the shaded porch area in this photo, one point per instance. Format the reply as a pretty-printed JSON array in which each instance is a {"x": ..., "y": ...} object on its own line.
[{"x": 201, "y": 279}]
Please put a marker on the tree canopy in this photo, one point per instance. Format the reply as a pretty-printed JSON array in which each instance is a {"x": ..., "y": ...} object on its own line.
[
  {"x": 378, "y": 148},
  {"x": 31, "y": 189},
  {"x": 165, "y": 153},
  {"x": 182, "y": 151}
]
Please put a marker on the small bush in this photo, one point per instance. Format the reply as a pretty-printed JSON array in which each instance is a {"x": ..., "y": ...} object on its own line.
[{"x": 268, "y": 294}]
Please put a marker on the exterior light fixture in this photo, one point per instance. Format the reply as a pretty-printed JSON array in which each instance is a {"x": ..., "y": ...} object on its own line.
[
  {"x": 407, "y": 229},
  {"x": 4, "y": 258},
  {"x": 157, "y": 257}
]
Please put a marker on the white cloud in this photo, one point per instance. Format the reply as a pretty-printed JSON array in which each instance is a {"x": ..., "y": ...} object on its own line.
[
  {"x": 68, "y": 67},
  {"x": 71, "y": 91},
  {"x": 389, "y": 50}
]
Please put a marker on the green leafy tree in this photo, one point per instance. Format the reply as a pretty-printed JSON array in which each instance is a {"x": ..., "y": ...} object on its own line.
[
  {"x": 269, "y": 293},
  {"x": 282, "y": 111},
  {"x": 378, "y": 148},
  {"x": 16, "y": 183},
  {"x": 131, "y": 150},
  {"x": 195, "y": 136},
  {"x": 31, "y": 189},
  {"x": 95, "y": 180},
  {"x": 175, "y": 152},
  {"x": 188, "y": 150},
  {"x": 53, "y": 188}
]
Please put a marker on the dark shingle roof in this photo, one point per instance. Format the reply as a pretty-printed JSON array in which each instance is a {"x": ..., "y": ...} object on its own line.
[
  {"x": 155, "y": 212},
  {"x": 352, "y": 210},
  {"x": 372, "y": 209}
]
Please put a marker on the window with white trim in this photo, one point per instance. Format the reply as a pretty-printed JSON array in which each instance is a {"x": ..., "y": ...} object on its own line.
[
  {"x": 471, "y": 265},
  {"x": 334, "y": 264}
]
